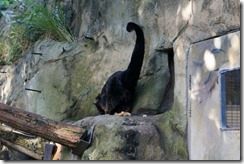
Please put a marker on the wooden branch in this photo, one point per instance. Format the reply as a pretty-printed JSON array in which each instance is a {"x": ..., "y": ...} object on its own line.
[
  {"x": 64, "y": 134},
  {"x": 22, "y": 149},
  {"x": 31, "y": 146}
]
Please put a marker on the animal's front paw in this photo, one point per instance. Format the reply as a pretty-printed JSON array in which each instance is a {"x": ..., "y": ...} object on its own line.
[{"x": 123, "y": 114}]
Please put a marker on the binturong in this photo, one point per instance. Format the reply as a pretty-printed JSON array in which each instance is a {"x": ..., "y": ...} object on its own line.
[{"x": 118, "y": 92}]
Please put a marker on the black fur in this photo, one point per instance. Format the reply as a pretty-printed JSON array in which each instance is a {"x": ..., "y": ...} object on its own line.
[{"x": 118, "y": 92}]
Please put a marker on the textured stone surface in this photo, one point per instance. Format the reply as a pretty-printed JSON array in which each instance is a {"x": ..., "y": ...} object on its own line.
[
  {"x": 63, "y": 82},
  {"x": 135, "y": 138},
  {"x": 123, "y": 138}
]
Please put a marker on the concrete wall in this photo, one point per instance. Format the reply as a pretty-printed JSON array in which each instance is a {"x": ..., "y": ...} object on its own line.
[{"x": 206, "y": 59}]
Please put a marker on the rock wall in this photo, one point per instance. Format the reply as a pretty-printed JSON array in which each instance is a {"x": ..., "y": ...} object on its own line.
[
  {"x": 64, "y": 80},
  {"x": 159, "y": 137}
]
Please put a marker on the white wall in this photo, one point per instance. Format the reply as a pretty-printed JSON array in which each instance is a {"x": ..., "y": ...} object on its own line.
[{"x": 206, "y": 140}]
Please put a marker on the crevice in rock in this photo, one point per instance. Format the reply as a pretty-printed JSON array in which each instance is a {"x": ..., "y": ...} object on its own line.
[
  {"x": 148, "y": 73},
  {"x": 161, "y": 140},
  {"x": 168, "y": 97},
  {"x": 132, "y": 143},
  {"x": 181, "y": 31},
  {"x": 72, "y": 110}
]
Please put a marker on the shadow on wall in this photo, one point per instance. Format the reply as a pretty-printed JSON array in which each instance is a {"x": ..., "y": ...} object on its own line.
[
  {"x": 155, "y": 90},
  {"x": 168, "y": 97}
]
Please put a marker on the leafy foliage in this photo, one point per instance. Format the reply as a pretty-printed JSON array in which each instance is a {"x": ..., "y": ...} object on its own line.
[
  {"x": 26, "y": 22},
  {"x": 4, "y": 4},
  {"x": 39, "y": 19}
]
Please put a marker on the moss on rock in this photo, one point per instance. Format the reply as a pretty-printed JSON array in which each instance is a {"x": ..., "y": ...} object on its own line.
[{"x": 172, "y": 129}]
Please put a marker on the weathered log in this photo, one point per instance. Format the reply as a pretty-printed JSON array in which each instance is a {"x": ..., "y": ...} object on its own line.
[
  {"x": 31, "y": 146},
  {"x": 64, "y": 134},
  {"x": 21, "y": 149}
]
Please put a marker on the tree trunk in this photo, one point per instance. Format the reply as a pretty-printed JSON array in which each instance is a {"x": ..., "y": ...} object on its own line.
[{"x": 64, "y": 134}]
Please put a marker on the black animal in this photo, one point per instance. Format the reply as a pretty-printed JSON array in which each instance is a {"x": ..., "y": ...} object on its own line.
[{"x": 118, "y": 92}]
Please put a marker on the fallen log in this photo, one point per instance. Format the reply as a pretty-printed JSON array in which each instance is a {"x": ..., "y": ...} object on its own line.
[
  {"x": 22, "y": 149},
  {"x": 29, "y": 145},
  {"x": 64, "y": 134}
]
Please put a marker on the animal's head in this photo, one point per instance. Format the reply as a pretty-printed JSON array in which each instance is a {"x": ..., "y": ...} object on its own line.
[{"x": 102, "y": 104}]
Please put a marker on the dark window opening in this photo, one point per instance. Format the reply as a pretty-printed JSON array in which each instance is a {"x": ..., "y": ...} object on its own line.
[{"x": 230, "y": 99}]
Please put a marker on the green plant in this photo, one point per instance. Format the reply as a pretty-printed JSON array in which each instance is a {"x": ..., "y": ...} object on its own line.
[
  {"x": 28, "y": 23},
  {"x": 42, "y": 20},
  {"x": 11, "y": 45},
  {"x": 4, "y": 4}
]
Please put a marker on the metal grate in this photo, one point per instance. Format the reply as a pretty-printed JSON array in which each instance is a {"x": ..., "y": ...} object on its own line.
[{"x": 232, "y": 90}]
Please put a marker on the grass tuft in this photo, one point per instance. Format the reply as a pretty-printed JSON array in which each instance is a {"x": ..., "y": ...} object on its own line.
[{"x": 25, "y": 23}]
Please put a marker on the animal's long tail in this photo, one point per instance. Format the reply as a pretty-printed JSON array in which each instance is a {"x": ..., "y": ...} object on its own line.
[{"x": 134, "y": 68}]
